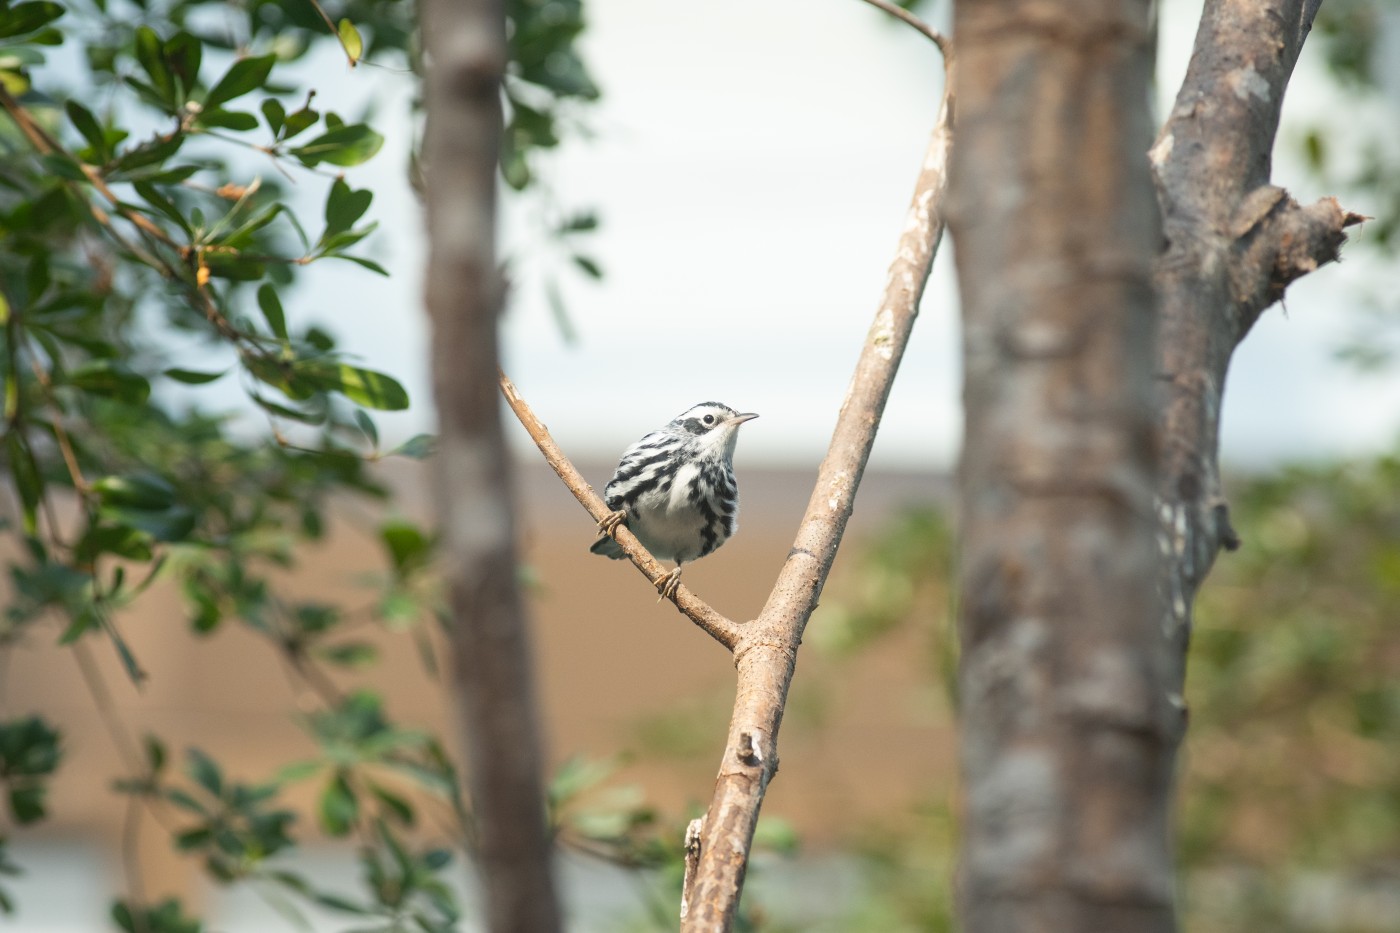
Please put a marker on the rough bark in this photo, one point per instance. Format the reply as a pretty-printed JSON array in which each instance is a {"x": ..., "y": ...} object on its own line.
[
  {"x": 1234, "y": 242},
  {"x": 465, "y": 42},
  {"x": 1066, "y": 740}
]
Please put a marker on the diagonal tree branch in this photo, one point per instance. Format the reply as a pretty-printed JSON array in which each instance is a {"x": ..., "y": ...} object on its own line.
[
  {"x": 767, "y": 651},
  {"x": 1234, "y": 243},
  {"x": 723, "y": 630}
]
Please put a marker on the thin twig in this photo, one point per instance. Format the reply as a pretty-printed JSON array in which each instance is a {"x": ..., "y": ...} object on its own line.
[
  {"x": 937, "y": 38},
  {"x": 719, "y": 627}
]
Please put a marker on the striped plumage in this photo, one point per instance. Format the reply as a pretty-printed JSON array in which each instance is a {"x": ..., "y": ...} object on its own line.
[{"x": 675, "y": 488}]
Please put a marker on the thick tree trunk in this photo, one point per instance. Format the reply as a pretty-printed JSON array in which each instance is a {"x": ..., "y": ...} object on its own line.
[
  {"x": 465, "y": 42},
  {"x": 1067, "y": 743}
]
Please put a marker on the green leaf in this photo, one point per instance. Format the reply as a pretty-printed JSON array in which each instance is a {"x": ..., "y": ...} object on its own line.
[
  {"x": 344, "y": 206},
  {"x": 349, "y": 654},
  {"x": 136, "y": 490},
  {"x": 152, "y": 152},
  {"x": 350, "y": 39},
  {"x": 245, "y": 75},
  {"x": 157, "y": 199},
  {"x": 275, "y": 114},
  {"x": 242, "y": 235},
  {"x": 182, "y": 57},
  {"x": 299, "y": 122},
  {"x": 171, "y": 524},
  {"x": 588, "y": 265},
  {"x": 396, "y": 805},
  {"x": 271, "y": 307},
  {"x": 417, "y": 447},
  {"x": 408, "y": 547},
  {"x": 204, "y": 771},
  {"x": 63, "y": 166},
  {"x": 369, "y": 264},
  {"x": 120, "y": 540},
  {"x": 87, "y": 124},
  {"x": 155, "y": 753},
  {"x": 362, "y": 386},
  {"x": 111, "y": 379},
  {"x": 235, "y": 120},
  {"x": 27, "y": 17},
  {"x": 29, "y": 482},
  {"x": 338, "y": 807},
  {"x": 150, "y": 52},
  {"x": 192, "y": 377},
  {"x": 27, "y": 803},
  {"x": 295, "y": 414},
  {"x": 344, "y": 146},
  {"x": 366, "y": 425},
  {"x": 579, "y": 223}
]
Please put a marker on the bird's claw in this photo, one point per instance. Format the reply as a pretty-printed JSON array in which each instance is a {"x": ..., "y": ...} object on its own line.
[
  {"x": 608, "y": 523},
  {"x": 667, "y": 583}
]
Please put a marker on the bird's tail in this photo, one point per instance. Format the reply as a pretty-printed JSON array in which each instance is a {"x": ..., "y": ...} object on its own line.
[{"x": 608, "y": 548}]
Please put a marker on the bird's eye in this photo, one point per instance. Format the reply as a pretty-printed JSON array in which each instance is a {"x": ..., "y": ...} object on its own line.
[{"x": 709, "y": 419}]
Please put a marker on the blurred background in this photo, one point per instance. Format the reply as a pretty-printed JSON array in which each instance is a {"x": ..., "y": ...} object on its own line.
[{"x": 750, "y": 165}]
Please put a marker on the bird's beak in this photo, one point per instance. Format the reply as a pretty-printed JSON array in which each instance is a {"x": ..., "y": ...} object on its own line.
[{"x": 740, "y": 419}]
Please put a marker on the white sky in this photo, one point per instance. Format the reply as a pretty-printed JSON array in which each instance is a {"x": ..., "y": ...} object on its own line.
[{"x": 751, "y": 165}]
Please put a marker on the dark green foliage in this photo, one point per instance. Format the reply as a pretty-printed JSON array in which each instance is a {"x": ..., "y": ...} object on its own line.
[
  {"x": 132, "y": 228},
  {"x": 29, "y": 753},
  {"x": 166, "y": 917}
]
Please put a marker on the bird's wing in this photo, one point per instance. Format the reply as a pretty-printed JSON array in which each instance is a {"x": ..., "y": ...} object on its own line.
[{"x": 641, "y": 467}]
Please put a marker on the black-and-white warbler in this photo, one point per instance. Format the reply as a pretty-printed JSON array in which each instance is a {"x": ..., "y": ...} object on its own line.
[{"x": 675, "y": 489}]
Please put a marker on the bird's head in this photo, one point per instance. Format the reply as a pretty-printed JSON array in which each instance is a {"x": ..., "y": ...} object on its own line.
[{"x": 714, "y": 426}]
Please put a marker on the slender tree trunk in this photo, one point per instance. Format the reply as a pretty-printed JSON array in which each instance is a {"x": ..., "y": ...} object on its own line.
[
  {"x": 1066, "y": 729},
  {"x": 1234, "y": 243},
  {"x": 465, "y": 42}
]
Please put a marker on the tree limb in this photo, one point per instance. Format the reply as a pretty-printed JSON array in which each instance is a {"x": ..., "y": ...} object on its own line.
[
  {"x": 722, "y": 629},
  {"x": 1234, "y": 243},
  {"x": 945, "y": 48},
  {"x": 767, "y": 649}
]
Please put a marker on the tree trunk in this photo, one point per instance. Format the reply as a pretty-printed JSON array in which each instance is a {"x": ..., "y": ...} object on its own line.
[
  {"x": 1066, "y": 728},
  {"x": 465, "y": 42}
]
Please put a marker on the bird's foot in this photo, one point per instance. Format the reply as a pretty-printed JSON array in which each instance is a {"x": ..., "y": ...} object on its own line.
[
  {"x": 667, "y": 583},
  {"x": 609, "y": 522}
]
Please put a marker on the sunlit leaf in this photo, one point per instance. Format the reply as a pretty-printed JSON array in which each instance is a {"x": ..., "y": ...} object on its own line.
[
  {"x": 344, "y": 145},
  {"x": 350, "y": 40}
]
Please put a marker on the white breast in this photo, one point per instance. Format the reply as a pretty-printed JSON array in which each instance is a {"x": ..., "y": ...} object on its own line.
[{"x": 667, "y": 523}]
